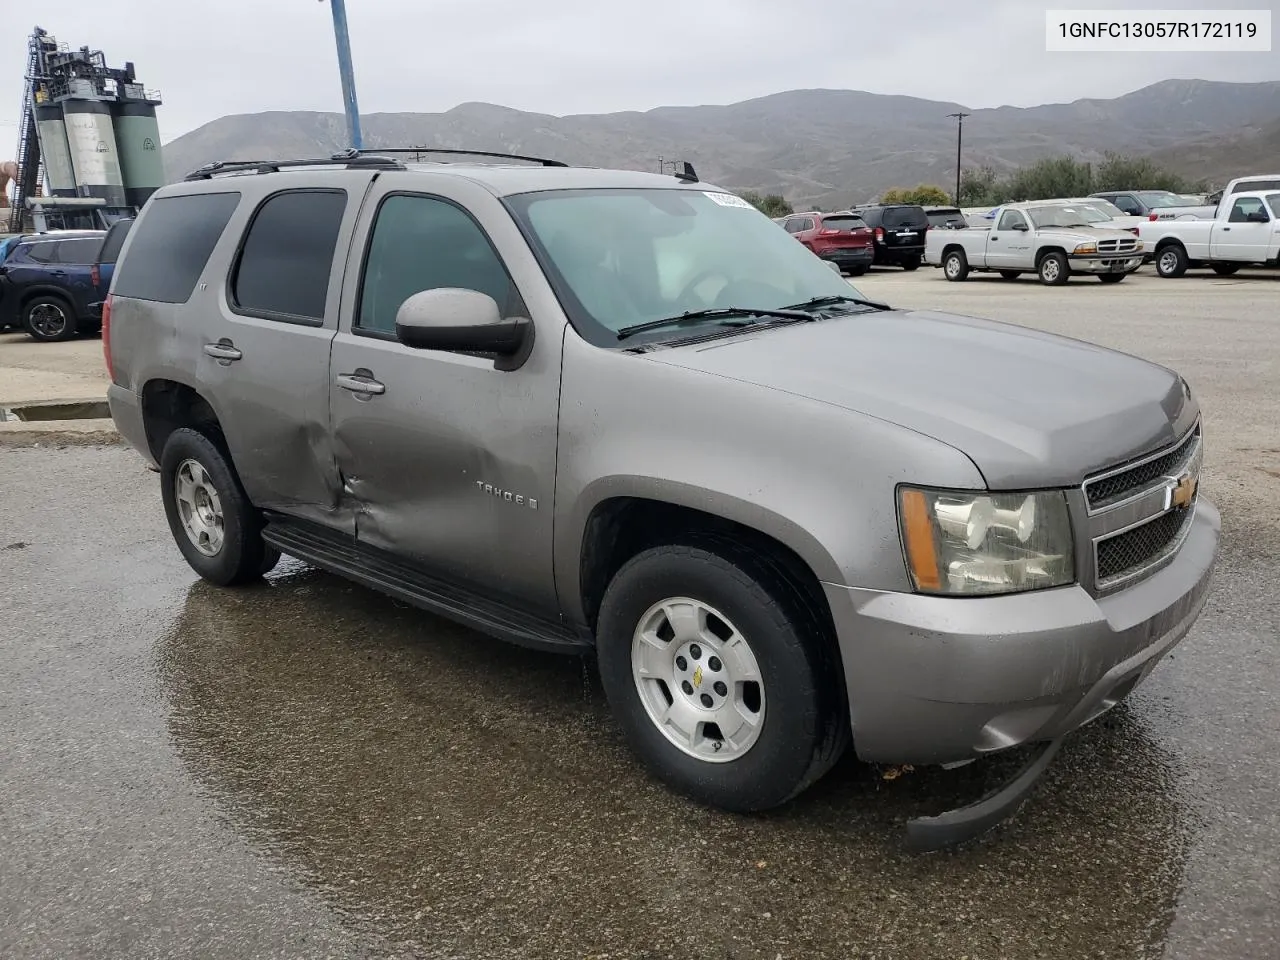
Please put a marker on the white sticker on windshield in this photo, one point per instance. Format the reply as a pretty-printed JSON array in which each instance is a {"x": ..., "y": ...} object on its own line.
[{"x": 727, "y": 200}]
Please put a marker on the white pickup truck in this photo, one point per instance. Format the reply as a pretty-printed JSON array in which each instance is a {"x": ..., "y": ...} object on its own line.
[
  {"x": 1246, "y": 231},
  {"x": 1052, "y": 238}
]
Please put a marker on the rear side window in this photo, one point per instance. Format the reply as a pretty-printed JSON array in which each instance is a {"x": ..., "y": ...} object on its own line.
[
  {"x": 110, "y": 251},
  {"x": 905, "y": 217},
  {"x": 79, "y": 251},
  {"x": 287, "y": 256},
  {"x": 173, "y": 245},
  {"x": 843, "y": 223},
  {"x": 871, "y": 217}
]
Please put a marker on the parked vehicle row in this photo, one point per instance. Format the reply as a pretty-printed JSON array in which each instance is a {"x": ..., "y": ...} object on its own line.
[{"x": 1053, "y": 239}]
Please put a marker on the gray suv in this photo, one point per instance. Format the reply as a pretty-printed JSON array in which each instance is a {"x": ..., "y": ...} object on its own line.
[{"x": 620, "y": 412}]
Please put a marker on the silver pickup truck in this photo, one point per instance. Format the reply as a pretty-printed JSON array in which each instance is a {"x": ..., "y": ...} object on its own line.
[
  {"x": 623, "y": 415},
  {"x": 1051, "y": 238}
]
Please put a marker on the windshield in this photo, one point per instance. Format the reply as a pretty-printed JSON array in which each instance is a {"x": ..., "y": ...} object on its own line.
[
  {"x": 623, "y": 257},
  {"x": 1066, "y": 215},
  {"x": 1160, "y": 198},
  {"x": 905, "y": 217},
  {"x": 1106, "y": 207}
]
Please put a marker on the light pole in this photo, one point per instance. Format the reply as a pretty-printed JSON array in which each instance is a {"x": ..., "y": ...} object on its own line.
[
  {"x": 959, "y": 142},
  {"x": 339, "y": 8}
]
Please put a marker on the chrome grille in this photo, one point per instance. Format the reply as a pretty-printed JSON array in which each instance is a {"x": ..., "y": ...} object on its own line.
[
  {"x": 1117, "y": 246},
  {"x": 1126, "y": 554},
  {"x": 1122, "y": 482}
]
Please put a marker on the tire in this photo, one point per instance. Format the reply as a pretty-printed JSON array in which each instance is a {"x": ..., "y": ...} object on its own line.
[
  {"x": 1224, "y": 269},
  {"x": 233, "y": 551},
  {"x": 90, "y": 328},
  {"x": 1053, "y": 269},
  {"x": 857, "y": 271},
  {"x": 1111, "y": 277},
  {"x": 49, "y": 318},
  {"x": 1171, "y": 261},
  {"x": 1010, "y": 274},
  {"x": 955, "y": 266},
  {"x": 910, "y": 265},
  {"x": 802, "y": 721}
]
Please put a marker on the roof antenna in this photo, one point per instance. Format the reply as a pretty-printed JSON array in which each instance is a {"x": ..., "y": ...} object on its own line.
[{"x": 685, "y": 172}]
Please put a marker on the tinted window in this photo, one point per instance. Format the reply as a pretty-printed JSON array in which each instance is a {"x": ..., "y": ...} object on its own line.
[
  {"x": 287, "y": 256},
  {"x": 78, "y": 251},
  {"x": 42, "y": 252},
  {"x": 1129, "y": 205},
  {"x": 905, "y": 217},
  {"x": 110, "y": 251},
  {"x": 173, "y": 245},
  {"x": 870, "y": 217},
  {"x": 843, "y": 223},
  {"x": 1256, "y": 185},
  {"x": 420, "y": 243}
]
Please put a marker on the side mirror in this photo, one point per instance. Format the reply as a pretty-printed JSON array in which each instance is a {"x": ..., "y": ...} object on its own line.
[
  {"x": 1020, "y": 227},
  {"x": 1257, "y": 216},
  {"x": 460, "y": 321}
]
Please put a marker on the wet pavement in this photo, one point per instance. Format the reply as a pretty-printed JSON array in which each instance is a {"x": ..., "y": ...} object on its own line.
[{"x": 307, "y": 769}]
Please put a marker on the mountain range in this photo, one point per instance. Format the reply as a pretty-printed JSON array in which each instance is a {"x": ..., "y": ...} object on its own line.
[{"x": 816, "y": 147}]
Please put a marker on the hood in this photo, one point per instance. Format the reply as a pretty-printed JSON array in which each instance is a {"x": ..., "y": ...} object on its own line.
[
  {"x": 1030, "y": 409},
  {"x": 1084, "y": 233}
]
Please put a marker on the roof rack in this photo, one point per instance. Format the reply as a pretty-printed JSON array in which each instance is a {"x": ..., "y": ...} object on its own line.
[
  {"x": 461, "y": 153},
  {"x": 352, "y": 159}
]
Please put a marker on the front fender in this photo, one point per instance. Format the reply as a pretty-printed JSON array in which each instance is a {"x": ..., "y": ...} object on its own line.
[{"x": 817, "y": 478}]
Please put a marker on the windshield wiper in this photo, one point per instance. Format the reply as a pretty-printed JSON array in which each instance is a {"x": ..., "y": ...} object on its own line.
[
  {"x": 836, "y": 300},
  {"x": 713, "y": 313}
]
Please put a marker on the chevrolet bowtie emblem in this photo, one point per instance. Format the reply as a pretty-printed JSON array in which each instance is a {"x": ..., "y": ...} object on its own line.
[{"x": 1183, "y": 491}]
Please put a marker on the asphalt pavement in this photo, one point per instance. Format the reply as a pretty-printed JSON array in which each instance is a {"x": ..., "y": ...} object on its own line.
[{"x": 307, "y": 769}]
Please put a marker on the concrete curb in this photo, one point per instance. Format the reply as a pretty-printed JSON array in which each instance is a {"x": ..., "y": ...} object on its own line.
[{"x": 58, "y": 433}]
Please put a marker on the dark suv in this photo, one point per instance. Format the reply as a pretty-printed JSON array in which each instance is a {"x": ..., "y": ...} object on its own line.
[
  {"x": 46, "y": 284},
  {"x": 897, "y": 232},
  {"x": 840, "y": 238}
]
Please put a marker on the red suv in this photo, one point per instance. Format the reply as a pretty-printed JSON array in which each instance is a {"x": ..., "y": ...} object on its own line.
[{"x": 842, "y": 238}]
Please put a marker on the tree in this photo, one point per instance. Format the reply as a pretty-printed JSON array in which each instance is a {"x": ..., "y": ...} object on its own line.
[
  {"x": 771, "y": 205},
  {"x": 1051, "y": 178},
  {"x": 1118, "y": 172},
  {"x": 1060, "y": 177},
  {"x": 924, "y": 194},
  {"x": 979, "y": 187}
]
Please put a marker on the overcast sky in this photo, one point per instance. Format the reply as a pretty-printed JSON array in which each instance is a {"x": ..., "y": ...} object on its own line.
[{"x": 587, "y": 56}]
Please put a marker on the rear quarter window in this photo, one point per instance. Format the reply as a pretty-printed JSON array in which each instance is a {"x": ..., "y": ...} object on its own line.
[
  {"x": 171, "y": 246},
  {"x": 110, "y": 251}
]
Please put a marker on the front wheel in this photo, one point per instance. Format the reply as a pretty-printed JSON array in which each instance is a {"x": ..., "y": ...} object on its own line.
[
  {"x": 1172, "y": 261},
  {"x": 1053, "y": 269},
  {"x": 724, "y": 691},
  {"x": 1111, "y": 277},
  {"x": 1224, "y": 269},
  {"x": 215, "y": 526},
  {"x": 955, "y": 265}
]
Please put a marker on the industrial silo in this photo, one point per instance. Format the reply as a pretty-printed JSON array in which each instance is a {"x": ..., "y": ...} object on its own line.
[
  {"x": 94, "y": 158},
  {"x": 51, "y": 131},
  {"x": 138, "y": 141}
]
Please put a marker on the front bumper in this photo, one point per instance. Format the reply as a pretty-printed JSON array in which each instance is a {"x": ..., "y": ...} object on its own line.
[
  {"x": 1096, "y": 264},
  {"x": 942, "y": 680}
]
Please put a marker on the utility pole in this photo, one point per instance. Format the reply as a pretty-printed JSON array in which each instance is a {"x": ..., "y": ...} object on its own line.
[
  {"x": 339, "y": 8},
  {"x": 959, "y": 143}
]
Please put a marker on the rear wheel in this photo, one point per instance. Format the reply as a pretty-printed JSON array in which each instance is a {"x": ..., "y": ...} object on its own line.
[
  {"x": 1010, "y": 274},
  {"x": 955, "y": 265},
  {"x": 910, "y": 265},
  {"x": 215, "y": 526},
  {"x": 1053, "y": 269},
  {"x": 1171, "y": 261},
  {"x": 721, "y": 685},
  {"x": 1224, "y": 269},
  {"x": 48, "y": 318},
  {"x": 857, "y": 271},
  {"x": 1111, "y": 277}
]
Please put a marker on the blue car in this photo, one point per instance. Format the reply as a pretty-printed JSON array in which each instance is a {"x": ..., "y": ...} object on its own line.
[{"x": 47, "y": 284}]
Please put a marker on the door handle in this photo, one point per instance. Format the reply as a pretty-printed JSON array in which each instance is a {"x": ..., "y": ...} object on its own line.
[
  {"x": 1226, "y": 229},
  {"x": 224, "y": 351},
  {"x": 360, "y": 382},
  {"x": 58, "y": 273}
]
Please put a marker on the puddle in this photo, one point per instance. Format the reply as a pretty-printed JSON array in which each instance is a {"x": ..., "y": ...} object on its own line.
[{"x": 82, "y": 410}]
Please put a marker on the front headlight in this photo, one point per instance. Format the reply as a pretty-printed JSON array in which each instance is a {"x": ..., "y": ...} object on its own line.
[
  {"x": 1085, "y": 248},
  {"x": 969, "y": 543}
]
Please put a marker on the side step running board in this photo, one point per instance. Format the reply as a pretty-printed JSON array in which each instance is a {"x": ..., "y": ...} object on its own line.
[{"x": 405, "y": 581}]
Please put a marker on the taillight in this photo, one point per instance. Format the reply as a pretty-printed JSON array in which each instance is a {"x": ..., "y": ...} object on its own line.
[
  {"x": 879, "y": 233},
  {"x": 1153, "y": 216},
  {"x": 106, "y": 337}
]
